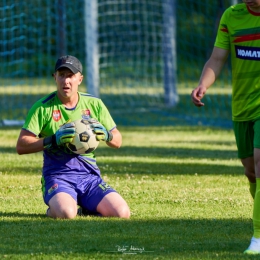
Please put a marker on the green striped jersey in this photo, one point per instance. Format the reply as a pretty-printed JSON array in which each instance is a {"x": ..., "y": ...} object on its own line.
[
  {"x": 239, "y": 32},
  {"x": 48, "y": 114}
]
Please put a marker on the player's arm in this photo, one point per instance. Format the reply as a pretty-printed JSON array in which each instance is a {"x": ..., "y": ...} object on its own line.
[
  {"x": 28, "y": 143},
  {"x": 112, "y": 138},
  {"x": 116, "y": 141},
  {"x": 211, "y": 71}
]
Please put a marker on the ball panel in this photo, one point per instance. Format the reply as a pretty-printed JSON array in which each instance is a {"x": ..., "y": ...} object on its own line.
[
  {"x": 72, "y": 147},
  {"x": 90, "y": 150},
  {"x": 84, "y": 137}
]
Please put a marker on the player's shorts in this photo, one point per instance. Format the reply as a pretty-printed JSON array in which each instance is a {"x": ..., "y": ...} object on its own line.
[
  {"x": 247, "y": 134},
  {"x": 87, "y": 190}
]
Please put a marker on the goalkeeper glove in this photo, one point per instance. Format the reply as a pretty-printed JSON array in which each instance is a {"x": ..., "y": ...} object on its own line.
[
  {"x": 101, "y": 132},
  {"x": 64, "y": 135}
]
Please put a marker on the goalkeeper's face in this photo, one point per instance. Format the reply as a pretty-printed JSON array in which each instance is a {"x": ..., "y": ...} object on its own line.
[{"x": 67, "y": 83}]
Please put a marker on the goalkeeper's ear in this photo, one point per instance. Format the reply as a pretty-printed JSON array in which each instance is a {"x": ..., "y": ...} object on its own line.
[{"x": 80, "y": 78}]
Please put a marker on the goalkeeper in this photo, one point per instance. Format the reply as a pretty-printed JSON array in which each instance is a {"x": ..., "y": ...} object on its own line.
[
  {"x": 239, "y": 34},
  {"x": 70, "y": 180}
]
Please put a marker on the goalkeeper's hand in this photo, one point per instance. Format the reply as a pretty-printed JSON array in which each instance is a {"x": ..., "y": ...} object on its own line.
[
  {"x": 64, "y": 135},
  {"x": 101, "y": 132}
]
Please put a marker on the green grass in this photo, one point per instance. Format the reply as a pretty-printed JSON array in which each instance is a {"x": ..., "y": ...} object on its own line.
[{"x": 188, "y": 197}]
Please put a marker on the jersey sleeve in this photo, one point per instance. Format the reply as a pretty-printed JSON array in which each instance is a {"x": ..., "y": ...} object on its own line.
[
  {"x": 104, "y": 117},
  {"x": 223, "y": 36},
  {"x": 34, "y": 121}
]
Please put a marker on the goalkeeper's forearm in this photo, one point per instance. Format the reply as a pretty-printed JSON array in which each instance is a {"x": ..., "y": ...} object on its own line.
[
  {"x": 116, "y": 142},
  {"x": 28, "y": 144}
]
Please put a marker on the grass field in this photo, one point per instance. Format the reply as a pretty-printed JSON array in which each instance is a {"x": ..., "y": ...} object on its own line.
[{"x": 185, "y": 187}]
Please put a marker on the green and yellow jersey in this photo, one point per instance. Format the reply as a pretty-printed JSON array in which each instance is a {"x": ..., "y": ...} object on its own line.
[
  {"x": 239, "y": 32},
  {"x": 48, "y": 114}
]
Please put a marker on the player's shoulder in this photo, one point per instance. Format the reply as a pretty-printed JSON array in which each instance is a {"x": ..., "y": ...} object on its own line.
[
  {"x": 46, "y": 99},
  {"x": 44, "y": 102},
  {"x": 87, "y": 96},
  {"x": 234, "y": 14},
  {"x": 237, "y": 9}
]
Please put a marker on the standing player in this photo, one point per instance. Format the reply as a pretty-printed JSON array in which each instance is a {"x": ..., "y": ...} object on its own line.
[
  {"x": 68, "y": 179},
  {"x": 239, "y": 34}
]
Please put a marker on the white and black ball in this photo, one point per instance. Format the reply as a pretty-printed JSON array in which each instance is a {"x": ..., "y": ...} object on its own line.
[{"x": 85, "y": 139}]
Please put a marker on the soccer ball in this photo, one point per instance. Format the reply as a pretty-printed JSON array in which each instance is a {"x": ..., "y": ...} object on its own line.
[{"x": 85, "y": 139}]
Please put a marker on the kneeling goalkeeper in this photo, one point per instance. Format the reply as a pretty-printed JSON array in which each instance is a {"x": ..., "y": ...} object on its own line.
[{"x": 70, "y": 180}]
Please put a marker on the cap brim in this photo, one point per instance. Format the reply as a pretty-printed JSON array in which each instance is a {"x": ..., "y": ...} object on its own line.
[{"x": 69, "y": 66}]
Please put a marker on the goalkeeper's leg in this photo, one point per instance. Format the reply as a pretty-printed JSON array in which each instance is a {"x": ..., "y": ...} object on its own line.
[
  {"x": 61, "y": 198},
  {"x": 62, "y": 205},
  {"x": 113, "y": 205},
  {"x": 103, "y": 199}
]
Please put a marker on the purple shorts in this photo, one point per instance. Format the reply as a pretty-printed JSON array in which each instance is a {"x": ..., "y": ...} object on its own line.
[{"x": 87, "y": 190}]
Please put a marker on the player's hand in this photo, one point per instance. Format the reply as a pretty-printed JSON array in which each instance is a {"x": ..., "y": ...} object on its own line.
[
  {"x": 101, "y": 132},
  {"x": 197, "y": 94},
  {"x": 65, "y": 134}
]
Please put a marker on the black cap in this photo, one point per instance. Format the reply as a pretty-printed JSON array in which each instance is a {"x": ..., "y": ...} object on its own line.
[{"x": 69, "y": 62}]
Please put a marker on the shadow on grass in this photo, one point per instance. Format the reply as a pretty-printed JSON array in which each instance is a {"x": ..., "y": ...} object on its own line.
[
  {"x": 109, "y": 238},
  {"x": 155, "y": 152},
  {"x": 156, "y": 160},
  {"x": 181, "y": 161},
  {"x": 8, "y": 150},
  {"x": 180, "y": 168},
  {"x": 171, "y": 152}
]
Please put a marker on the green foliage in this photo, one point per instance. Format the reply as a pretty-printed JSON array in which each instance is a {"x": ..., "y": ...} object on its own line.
[{"x": 184, "y": 185}]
